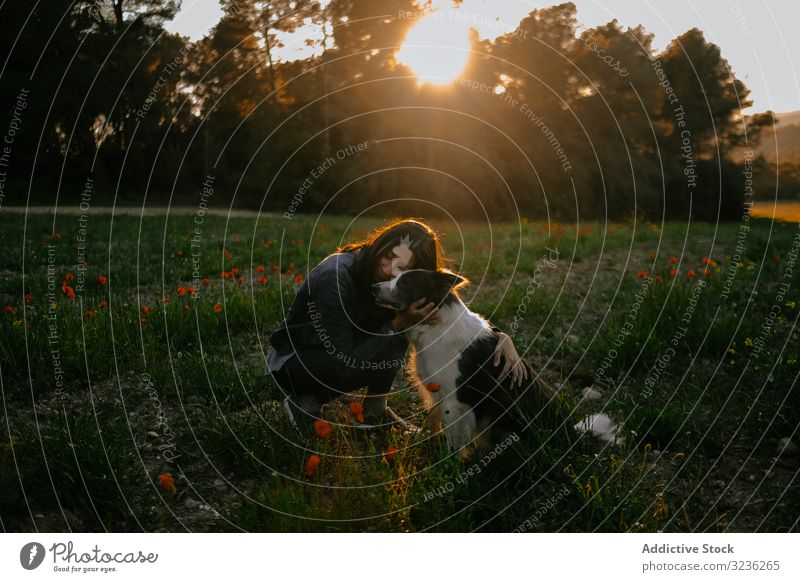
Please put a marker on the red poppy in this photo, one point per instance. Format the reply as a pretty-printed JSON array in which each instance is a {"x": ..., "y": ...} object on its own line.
[
  {"x": 311, "y": 464},
  {"x": 357, "y": 410},
  {"x": 205, "y": 281},
  {"x": 217, "y": 308},
  {"x": 298, "y": 279},
  {"x": 179, "y": 252},
  {"x": 57, "y": 234},
  {"x": 776, "y": 258},
  {"x": 390, "y": 452},
  {"x": 240, "y": 280},
  {"x": 260, "y": 268},
  {"x": 322, "y": 429},
  {"x": 103, "y": 304},
  {"x": 186, "y": 307},
  {"x": 658, "y": 278},
  {"x": 102, "y": 279},
  {"x": 145, "y": 310},
  {"x": 642, "y": 274},
  {"x": 673, "y": 272},
  {"x": 69, "y": 292},
  {"x": 275, "y": 268},
  {"x": 89, "y": 313},
  {"x": 651, "y": 254},
  {"x": 8, "y": 309},
  {"x": 673, "y": 260},
  {"x": 181, "y": 291},
  {"x": 263, "y": 280},
  {"x": 168, "y": 483},
  {"x": 433, "y": 387},
  {"x": 234, "y": 271},
  {"x": 690, "y": 273},
  {"x": 166, "y": 299},
  {"x": 28, "y": 298},
  {"x": 69, "y": 277}
]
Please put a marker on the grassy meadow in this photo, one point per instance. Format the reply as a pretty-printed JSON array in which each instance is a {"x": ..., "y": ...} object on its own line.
[{"x": 136, "y": 403}]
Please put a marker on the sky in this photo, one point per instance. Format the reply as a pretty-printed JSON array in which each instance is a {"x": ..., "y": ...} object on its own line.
[{"x": 757, "y": 37}]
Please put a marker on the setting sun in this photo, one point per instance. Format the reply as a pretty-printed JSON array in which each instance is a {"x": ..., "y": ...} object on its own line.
[{"x": 436, "y": 50}]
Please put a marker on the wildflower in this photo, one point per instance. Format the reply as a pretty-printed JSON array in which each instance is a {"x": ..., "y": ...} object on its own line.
[
  {"x": 789, "y": 304},
  {"x": 57, "y": 234},
  {"x": 748, "y": 342},
  {"x": 673, "y": 272},
  {"x": 179, "y": 252},
  {"x": 298, "y": 279},
  {"x": 651, "y": 254},
  {"x": 776, "y": 258},
  {"x": 69, "y": 277},
  {"x": 322, "y": 429},
  {"x": 260, "y": 268},
  {"x": 690, "y": 273},
  {"x": 234, "y": 271},
  {"x": 186, "y": 308},
  {"x": 311, "y": 464},
  {"x": 658, "y": 278},
  {"x": 217, "y": 308},
  {"x": 89, "y": 313},
  {"x": 102, "y": 279},
  {"x": 708, "y": 261},
  {"x": 276, "y": 268},
  {"x": 673, "y": 260},
  {"x": 706, "y": 272},
  {"x": 103, "y": 304},
  {"x": 165, "y": 300},
  {"x": 389, "y": 453},
  {"x": 8, "y": 309},
  {"x": 69, "y": 292},
  {"x": 357, "y": 410},
  {"x": 145, "y": 310},
  {"x": 433, "y": 387},
  {"x": 263, "y": 280},
  {"x": 205, "y": 281},
  {"x": 240, "y": 280},
  {"x": 168, "y": 482},
  {"x": 29, "y": 298},
  {"x": 181, "y": 291},
  {"x": 642, "y": 274}
]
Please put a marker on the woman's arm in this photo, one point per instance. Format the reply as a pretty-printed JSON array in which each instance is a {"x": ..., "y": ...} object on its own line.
[{"x": 513, "y": 363}]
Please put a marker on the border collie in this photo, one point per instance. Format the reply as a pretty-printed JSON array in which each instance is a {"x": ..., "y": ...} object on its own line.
[{"x": 454, "y": 363}]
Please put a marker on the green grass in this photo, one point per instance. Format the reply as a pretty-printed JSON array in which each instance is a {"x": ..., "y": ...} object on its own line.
[{"x": 82, "y": 455}]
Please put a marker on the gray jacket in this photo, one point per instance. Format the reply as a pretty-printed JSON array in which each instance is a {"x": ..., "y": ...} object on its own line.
[{"x": 326, "y": 326}]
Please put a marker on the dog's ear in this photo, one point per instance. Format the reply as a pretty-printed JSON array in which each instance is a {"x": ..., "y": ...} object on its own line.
[{"x": 449, "y": 280}]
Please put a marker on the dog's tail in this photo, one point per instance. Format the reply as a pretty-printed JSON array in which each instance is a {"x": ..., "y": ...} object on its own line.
[{"x": 601, "y": 427}]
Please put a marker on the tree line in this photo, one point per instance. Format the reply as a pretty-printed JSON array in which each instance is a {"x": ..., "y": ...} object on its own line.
[{"x": 549, "y": 120}]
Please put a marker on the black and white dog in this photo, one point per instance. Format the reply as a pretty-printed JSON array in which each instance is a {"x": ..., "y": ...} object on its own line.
[{"x": 454, "y": 362}]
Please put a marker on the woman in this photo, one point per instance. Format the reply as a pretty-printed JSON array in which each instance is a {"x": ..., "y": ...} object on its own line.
[{"x": 335, "y": 339}]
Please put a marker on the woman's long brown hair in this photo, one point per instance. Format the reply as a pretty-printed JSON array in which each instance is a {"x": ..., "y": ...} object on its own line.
[{"x": 426, "y": 246}]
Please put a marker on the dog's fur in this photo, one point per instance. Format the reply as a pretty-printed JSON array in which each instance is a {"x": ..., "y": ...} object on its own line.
[{"x": 457, "y": 353}]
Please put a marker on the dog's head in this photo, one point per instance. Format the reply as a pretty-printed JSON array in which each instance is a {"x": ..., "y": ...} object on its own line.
[{"x": 406, "y": 287}]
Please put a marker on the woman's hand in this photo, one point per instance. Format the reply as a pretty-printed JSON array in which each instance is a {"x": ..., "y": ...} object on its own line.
[
  {"x": 416, "y": 313},
  {"x": 514, "y": 364}
]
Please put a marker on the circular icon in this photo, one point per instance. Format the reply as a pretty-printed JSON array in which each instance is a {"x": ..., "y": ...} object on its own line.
[{"x": 31, "y": 555}]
